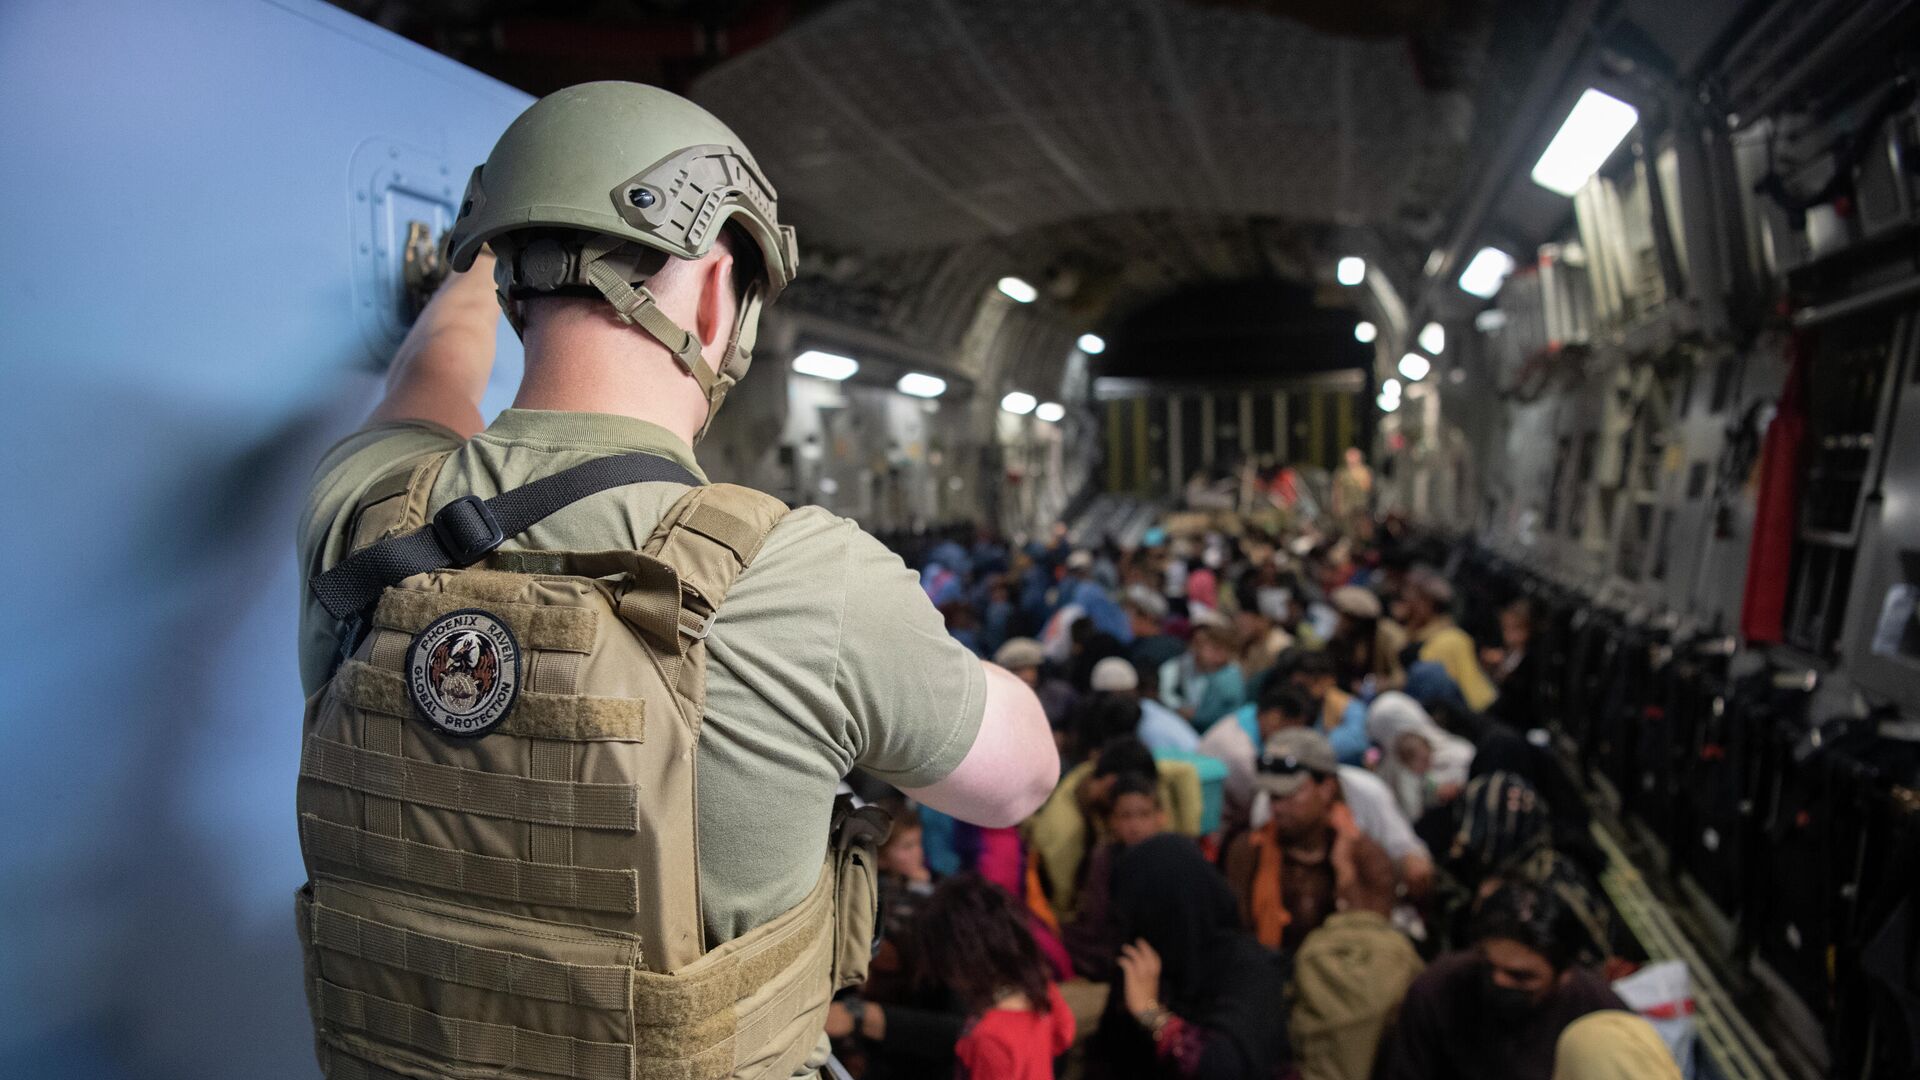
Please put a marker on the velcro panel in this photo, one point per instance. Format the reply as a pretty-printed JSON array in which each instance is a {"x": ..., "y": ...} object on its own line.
[
  {"x": 590, "y": 986},
  {"x": 537, "y": 626},
  {"x": 516, "y": 798},
  {"x": 471, "y": 1041},
  {"x": 534, "y": 714},
  {"x": 515, "y": 880},
  {"x": 716, "y": 524}
]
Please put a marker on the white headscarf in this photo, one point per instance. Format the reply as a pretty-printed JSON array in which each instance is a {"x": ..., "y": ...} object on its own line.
[{"x": 1394, "y": 714}]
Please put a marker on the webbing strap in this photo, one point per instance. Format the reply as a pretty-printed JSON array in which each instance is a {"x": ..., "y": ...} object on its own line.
[
  {"x": 471, "y": 1041},
  {"x": 536, "y": 801},
  {"x": 550, "y": 761},
  {"x": 467, "y": 529},
  {"x": 590, "y": 889},
  {"x": 383, "y": 739},
  {"x": 638, "y": 307},
  {"x": 591, "y": 986}
]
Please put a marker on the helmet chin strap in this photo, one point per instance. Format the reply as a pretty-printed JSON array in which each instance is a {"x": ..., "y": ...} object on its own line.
[{"x": 637, "y": 308}]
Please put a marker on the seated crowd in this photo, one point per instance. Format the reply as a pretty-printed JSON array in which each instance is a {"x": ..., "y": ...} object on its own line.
[{"x": 1304, "y": 829}]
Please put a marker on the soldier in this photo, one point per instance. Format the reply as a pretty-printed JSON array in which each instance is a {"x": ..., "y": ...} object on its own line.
[{"x": 567, "y": 793}]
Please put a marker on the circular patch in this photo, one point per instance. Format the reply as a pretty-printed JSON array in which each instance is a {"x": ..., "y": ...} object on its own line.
[{"x": 463, "y": 672}]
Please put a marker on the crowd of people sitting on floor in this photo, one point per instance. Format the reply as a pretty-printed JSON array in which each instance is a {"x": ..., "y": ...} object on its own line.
[{"x": 1305, "y": 828}]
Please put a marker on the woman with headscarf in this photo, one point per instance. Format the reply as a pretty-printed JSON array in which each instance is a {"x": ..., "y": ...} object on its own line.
[
  {"x": 1196, "y": 996},
  {"x": 1423, "y": 765}
]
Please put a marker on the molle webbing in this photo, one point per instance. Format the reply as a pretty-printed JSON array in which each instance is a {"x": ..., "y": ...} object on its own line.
[
  {"x": 514, "y": 880},
  {"x": 471, "y": 791},
  {"x": 535, "y": 715},
  {"x": 472, "y": 1042},
  {"x": 592, "y": 986}
]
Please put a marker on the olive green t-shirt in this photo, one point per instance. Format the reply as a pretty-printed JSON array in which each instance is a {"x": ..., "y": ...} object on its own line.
[{"x": 825, "y": 655}]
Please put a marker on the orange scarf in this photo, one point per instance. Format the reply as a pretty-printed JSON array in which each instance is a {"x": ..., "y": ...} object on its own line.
[{"x": 1270, "y": 915}]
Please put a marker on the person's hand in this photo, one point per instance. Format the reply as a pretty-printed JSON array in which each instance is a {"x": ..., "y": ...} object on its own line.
[
  {"x": 873, "y": 1023},
  {"x": 1092, "y": 793},
  {"x": 1491, "y": 656},
  {"x": 839, "y": 1021},
  {"x": 440, "y": 371},
  {"x": 1140, "y": 966},
  {"x": 1446, "y": 793}
]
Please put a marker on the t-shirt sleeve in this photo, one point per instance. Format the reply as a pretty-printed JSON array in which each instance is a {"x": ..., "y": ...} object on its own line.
[
  {"x": 340, "y": 480},
  {"x": 914, "y": 695}
]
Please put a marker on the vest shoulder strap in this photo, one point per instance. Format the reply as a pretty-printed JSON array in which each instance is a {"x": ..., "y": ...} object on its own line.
[
  {"x": 710, "y": 536},
  {"x": 397, "y": 502}
]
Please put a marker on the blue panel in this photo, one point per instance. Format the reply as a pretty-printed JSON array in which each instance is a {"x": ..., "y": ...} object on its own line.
[{"x": 186, "y": 322}]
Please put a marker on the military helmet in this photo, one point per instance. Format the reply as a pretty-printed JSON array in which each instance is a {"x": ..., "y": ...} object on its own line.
[{"x": 597, "y": 185}]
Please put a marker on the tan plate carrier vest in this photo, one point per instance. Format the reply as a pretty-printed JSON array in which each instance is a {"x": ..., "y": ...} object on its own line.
[{"x": 527, "y": 903}]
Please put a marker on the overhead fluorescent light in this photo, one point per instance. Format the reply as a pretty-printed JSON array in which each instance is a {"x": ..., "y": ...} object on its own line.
[
  {"x": 1490, "y": 320},
  {"x": 1351, "y": 270},
  {"x": 1484, "y": 275},
  {"x": 1364, "y": 332},
  {"x": 1019, "y": 403},
  {"x": 825, "y": 365},
  {"x": 1050, "y": 411},
  {"x": 1593, "y": 129},
  {"x": 1433, "y": 338},
  {"x": 1092, "y": 344},
  {"x": 1387, "y": 404},
  {"x": 1391, "y": 388},
  {"x": 1018, "y": 290},
  {"x": 1415, "y": 367},
  {"x": 918, "y": 385}
]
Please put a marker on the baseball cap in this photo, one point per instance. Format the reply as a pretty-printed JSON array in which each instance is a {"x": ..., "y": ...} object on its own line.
[
  {"x": 1114, "y": 674},
  {"x": 1291, "y": 757},
  {"x": 1147, "y": 602},
  {"x": 1020, "y": 652},
  {"x": 1356, "y": 601}
]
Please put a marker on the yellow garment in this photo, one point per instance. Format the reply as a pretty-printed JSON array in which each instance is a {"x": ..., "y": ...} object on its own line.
[
  {"x": 1057, "y": 834},
  {"x": 1445, "y": 644},
  {"x": 1349, "y": 977},
  {"x": 1612, "y": 1045}
]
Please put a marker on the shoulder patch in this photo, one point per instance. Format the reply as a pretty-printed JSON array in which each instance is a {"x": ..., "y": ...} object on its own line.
[{"x": 463, "y": 672}]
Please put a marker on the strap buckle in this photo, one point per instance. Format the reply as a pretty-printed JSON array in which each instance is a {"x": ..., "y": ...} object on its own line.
[
  {"x": 467, "y": 530},
  {"x": 699, "y": 633}
]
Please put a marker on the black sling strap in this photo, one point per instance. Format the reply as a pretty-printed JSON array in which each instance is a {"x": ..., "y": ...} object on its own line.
[{"x": 466, "y": 529}]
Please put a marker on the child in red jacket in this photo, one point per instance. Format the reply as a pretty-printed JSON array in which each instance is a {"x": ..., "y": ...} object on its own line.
[{"x": 974, "y": 939}]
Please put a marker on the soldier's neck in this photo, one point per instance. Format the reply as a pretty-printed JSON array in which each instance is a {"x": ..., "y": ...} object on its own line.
[{"x": 630, "y": 380}]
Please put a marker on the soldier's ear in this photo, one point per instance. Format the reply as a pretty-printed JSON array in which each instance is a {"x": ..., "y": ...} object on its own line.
[{"x": 713, "y": 322}]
